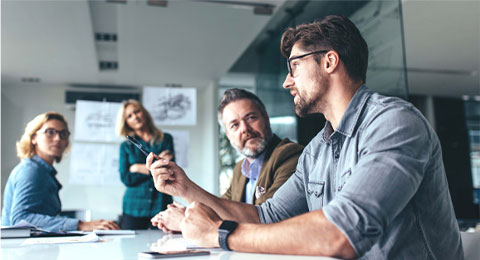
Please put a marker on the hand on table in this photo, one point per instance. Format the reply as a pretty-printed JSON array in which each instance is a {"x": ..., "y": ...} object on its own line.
[
  {"x": 97, "y": 224},
  {"x": 169, "y": 219},
  {"x": 200, "y": 225}
]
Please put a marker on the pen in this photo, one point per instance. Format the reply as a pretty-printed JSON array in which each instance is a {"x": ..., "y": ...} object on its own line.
[
  {"x": 142, "y": 148},
  {"x": 137, "y": 144}
]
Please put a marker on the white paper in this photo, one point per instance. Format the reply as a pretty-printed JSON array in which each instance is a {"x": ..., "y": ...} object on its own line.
[
  {"x": 92, "y": 237},
  {"x": 181, "y": 142},
  {"x": 95, "y": 121},
  {"x": 171, "y": 106},
  {"x": 114, "y": 232},
  {"x": 95, "y": 164}
]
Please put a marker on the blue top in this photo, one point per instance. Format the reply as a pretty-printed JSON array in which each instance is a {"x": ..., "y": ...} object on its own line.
[
  {"x": 251, "y": 171},
  {"x": 141, "y": 199},
  {"x": 31, "y": 194},
  {"x": 379, "y": 178}
]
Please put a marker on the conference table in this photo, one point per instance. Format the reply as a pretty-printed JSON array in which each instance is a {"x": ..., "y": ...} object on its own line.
[{"x": 121, "y": 247}]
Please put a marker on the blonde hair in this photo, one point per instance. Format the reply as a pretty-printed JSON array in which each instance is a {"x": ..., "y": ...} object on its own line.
[
  {"x": 25, "y": 148},
  {"x": 122, "y": 128}
]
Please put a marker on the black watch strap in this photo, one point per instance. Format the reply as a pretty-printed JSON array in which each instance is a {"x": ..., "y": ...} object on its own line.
[{"x": 225, "y": 229}]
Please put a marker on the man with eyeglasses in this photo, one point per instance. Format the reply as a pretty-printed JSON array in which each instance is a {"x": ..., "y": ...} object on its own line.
[{"x": 370, "y": 185}]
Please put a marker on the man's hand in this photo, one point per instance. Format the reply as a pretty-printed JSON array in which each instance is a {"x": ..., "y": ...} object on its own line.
[
  {"x": 166, "y": 155},
  {"x": 169, "y": 219},
  {"x": 97, "y": 224},
  {"x": 200, "y": 225},
  {"x": 168, "y": 176}
]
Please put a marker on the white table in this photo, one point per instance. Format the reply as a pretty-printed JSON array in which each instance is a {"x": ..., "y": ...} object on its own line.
[{"x": 120, "y": 247}]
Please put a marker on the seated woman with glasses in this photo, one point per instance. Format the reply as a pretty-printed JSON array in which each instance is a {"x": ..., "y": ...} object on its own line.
[{"x": 31, "y": 193}]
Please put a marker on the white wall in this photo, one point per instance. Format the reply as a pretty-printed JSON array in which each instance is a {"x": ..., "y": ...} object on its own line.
[{"x": 21, "y": 104}]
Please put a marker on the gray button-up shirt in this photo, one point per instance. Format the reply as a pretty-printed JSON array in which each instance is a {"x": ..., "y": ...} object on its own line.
[{"x": 379, "y": 177}]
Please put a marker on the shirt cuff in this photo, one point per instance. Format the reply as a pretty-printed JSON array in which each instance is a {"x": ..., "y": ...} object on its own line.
[
  {"x": 70, "y": 224},
  {"x": 260, "y": 214},
  {"x": 341, "y": 216}
]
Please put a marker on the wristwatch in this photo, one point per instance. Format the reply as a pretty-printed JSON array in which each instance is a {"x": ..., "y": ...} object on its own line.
[{"x": 225, "y": 229}]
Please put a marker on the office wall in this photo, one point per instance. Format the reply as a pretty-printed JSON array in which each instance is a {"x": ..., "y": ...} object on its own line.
[{"x": 20, "y": 103}]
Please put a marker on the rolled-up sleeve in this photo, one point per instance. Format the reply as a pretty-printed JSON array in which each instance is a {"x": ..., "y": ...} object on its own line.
[
  {"x": 393, "y": 153},
  {"x": 287, "y": 202}
]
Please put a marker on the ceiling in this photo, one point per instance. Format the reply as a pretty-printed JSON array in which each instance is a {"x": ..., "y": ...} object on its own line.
[
  {"x": 188, "y": 43},
  {"x": 442, "y": 46},
  {"x": 194, "y": 43}
]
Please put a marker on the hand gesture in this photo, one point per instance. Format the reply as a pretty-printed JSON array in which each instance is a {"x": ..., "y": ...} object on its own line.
[
  {"x": 97, "y": 224},
  {"x": 166, "y": 155},
  {"x": 168, "y": 176},
  {"x": 169, "y": 219},
  {"x": 200, "y": 225}
]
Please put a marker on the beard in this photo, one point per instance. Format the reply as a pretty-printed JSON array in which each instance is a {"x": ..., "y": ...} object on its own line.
[
  {"x": 255, "y": 152},
  {"x": 302, "y": 107},
  {"x": 258, "y": 149},
  {"x": 305, "y": 107}
]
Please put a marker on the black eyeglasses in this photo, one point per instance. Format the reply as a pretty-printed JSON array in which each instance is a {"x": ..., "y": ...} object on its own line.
[
  {"x": 51, "y": 132},
  {"x": 292, "y": 70}
]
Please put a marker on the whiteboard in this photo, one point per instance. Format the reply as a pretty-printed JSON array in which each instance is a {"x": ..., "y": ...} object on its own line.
[{"x": 171, "y": 106}]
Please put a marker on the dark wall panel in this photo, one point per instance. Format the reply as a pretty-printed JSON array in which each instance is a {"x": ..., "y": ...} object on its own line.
[{"x": 452, "y": 132}]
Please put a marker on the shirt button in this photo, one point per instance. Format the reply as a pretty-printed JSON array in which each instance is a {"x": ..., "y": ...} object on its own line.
[
  {"x": 151, "y": 189},
  {"x": 336, "y": 156},
  {"x": 339, "y": 188}
]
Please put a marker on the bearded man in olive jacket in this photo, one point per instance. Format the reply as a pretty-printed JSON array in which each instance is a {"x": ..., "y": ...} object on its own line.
[{"x": 268, "y": 163}]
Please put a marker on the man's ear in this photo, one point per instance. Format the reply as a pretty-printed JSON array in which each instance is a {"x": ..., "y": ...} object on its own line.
[{"x": 332, "y": 60}]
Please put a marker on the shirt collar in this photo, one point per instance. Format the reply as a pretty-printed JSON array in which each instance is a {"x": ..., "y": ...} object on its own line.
[
  {"x": 251, "y": 170},
  {"x": 44, "y": 164},
  {"x": 351, "y": 115}
]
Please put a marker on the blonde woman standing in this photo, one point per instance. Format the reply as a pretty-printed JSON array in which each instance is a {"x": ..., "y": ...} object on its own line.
[
  {"x": 141, "y": 200},
  {"x": 31, "y": 193}
]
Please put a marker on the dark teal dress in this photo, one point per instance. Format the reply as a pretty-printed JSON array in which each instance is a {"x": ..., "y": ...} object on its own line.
[{"x": 141, "y": 199}]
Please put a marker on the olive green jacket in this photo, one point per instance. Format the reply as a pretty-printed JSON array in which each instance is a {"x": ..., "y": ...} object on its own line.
[{"x": 279, "y": 164}]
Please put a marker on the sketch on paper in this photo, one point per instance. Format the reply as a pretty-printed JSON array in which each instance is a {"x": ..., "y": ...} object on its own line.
[
  {"x": 171, "y": 106},
  {"x": 95, "y": 121},
  {"x": 181, "y": 142},
  {"x": 95, "y": 164}
]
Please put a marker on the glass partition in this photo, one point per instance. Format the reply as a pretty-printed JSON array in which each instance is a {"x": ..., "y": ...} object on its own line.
[{"x": 381, "y": 25}]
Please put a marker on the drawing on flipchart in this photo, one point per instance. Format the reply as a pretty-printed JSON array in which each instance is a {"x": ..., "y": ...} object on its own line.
[
  {"x": 95, "y": 121},
  {"x": 94, "y": 164},
  {"x": 171, "y": 106}
]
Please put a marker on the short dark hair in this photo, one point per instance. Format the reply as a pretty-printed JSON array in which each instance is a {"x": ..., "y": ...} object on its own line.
[
  {"x": 334, "y": 32},
  {"x": 235, "y": 94}
]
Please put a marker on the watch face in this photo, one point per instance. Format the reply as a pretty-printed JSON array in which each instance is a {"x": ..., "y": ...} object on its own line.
[
  {"x": 224, "y": 231},
  {"x": 227, "y": 226}
]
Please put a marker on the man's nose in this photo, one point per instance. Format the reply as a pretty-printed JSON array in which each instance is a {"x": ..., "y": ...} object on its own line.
[
  {"x": 244, "y": 126},
  {"x": 288, "y": 81}
]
